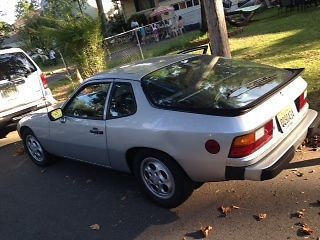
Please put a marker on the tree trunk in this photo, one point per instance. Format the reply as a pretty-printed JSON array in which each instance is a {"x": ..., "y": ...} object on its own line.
[
  {"x": 217, "y": 28},
  {"x": 102, "y": 17},
  {"x": 204, "y": 25}
]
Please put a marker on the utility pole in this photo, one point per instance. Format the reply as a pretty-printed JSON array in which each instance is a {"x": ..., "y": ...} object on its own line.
[
  {"x": 217, "y": 28},
  {"x": 102, "y": 17}
]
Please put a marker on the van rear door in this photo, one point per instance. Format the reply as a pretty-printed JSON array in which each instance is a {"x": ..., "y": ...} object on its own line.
[{"x": 20, "y": 82}]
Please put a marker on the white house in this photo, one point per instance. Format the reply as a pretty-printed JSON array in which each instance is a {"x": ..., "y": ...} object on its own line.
[{"x": 188, "y": 9}]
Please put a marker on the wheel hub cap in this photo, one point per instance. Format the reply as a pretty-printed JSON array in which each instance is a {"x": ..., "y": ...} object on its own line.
[
  {"x": 34, "y": 148},
  {"x": 157, "y": 177}
]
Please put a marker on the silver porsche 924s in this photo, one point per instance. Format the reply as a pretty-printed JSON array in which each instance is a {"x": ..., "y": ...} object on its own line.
[{"x": 178, "y": 121}]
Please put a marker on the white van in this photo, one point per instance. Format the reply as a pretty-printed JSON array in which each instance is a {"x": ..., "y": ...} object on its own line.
[{"x": 23, "y": 87}]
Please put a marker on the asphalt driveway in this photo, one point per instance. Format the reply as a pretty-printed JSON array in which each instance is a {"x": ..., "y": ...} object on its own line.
[{"x": 65, "y": 199}]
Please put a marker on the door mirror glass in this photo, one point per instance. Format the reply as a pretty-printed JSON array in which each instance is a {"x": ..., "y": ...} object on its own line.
[{"x": 55, "y": 114}]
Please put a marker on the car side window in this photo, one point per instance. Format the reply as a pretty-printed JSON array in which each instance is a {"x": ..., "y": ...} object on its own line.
[
  {"x": 122, "y": 102},
  {"x": 89, "y": 102}
]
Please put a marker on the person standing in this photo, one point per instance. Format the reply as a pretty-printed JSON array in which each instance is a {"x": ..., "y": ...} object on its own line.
[
  {"x": 180, "y": 25},
  {"x": 52, "y": 57}
]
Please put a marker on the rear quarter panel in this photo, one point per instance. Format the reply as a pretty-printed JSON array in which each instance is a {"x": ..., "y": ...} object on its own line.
[{"x": 183, "y": 135}]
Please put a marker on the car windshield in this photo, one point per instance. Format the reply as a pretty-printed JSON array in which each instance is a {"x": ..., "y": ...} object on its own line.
[
  {"x": 206, "y": 83},
  {"x": 13, "y": 65}
]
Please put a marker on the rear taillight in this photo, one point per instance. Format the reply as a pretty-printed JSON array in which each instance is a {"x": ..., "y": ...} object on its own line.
[
  {"x": 44, "y": 80},
  {"x": 245, "y": 145},
  {"x": 301, "y": 101}
]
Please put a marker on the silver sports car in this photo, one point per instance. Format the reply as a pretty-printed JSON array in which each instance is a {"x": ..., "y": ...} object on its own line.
[{"x": 178, "y": 121}]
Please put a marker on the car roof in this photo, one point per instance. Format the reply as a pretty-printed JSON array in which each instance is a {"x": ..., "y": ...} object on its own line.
[
  {"x": 10, "y": 50},
  {"x": 137, "y": 70}
]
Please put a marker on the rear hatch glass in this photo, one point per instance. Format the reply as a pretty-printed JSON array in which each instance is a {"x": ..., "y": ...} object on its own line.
[
  {"x": 19, "y": 81},
  {"x": 209, "y": 85}
]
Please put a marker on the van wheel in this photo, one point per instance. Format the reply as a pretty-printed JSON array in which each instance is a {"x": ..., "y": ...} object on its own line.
[
  {"x": 34, "y": 149},
  {"x": 161, "y": 178}
]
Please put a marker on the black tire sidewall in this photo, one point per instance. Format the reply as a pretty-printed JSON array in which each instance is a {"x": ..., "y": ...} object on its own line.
[{"x": 183, "y": 184}]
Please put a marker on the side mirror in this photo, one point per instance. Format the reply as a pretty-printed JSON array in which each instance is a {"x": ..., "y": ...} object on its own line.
[{"x": 55, "y": 114}]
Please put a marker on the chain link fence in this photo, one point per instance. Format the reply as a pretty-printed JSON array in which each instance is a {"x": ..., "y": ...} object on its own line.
[{"x": 132, "y": 45}]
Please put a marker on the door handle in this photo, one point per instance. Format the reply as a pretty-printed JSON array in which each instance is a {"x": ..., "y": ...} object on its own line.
[{"x": 96, "y": 131}]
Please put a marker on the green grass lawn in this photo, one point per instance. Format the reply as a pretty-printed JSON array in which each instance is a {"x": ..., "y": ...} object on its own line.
[{"x": 286, "y": 40}]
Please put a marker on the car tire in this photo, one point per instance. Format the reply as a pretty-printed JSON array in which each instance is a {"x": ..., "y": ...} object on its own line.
[
  {"x": 161, "y": 178},
  {"x": 197, "y": 185},
  {"x": 34, "y": 149}
]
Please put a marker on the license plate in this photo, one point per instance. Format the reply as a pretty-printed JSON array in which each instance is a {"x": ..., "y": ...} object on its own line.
[
  {"x": 9, "y": 92},
  {"x": 285, "y": 118}
]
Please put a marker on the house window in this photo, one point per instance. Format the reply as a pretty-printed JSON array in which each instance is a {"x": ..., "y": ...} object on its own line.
[
  {"x": 143, "y": 4},
  {"x": 195, "y": 2},
  {"x": 189, "y": 3},
  {"x": 176, "y": 7},
  {"x": 182, "y": 5}
]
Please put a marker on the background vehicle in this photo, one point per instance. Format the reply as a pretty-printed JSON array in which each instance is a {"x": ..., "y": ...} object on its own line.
[
  {"x": 239, "y": 13},
  {"x": 178, "y": 121},
  {"x": 23, "y": 87}
]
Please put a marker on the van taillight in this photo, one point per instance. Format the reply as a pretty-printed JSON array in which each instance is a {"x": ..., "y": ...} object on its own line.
[
  {"x": 44, "y": 80},
  {"x": 245, "y": 145},
  {"x": 301, "y": 101}
]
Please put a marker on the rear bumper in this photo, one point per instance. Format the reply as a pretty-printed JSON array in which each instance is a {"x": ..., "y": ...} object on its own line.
[
  {"x": 270, "y": 166},
  {"x": 13, "y": 118}
]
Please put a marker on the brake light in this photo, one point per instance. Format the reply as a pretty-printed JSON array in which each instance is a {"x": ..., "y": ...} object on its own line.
[
  {"x": 44, "y": 80},
  {"x": 301, "y": 101},
  {"x": 245, "y": 145}
]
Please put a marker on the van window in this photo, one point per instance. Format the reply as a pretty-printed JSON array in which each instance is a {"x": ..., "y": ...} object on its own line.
[{"x": 13, "y": 65}]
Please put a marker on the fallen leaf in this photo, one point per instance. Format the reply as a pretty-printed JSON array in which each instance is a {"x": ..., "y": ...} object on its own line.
[
  {"x": 88, "y": 181},
  {"x": 225, "y": 210},
  {"x": 299, "y": 214},
  {"x": 299, "y": 174},
  {"x": 95, "y": 227},
  {"x": 262, "y": 216},
  {"x": 43, "y": 170},
  {"x": 205, "y": 231},
  {"x": 301, "y": 224},
  {"x": 306, "y": 230}
]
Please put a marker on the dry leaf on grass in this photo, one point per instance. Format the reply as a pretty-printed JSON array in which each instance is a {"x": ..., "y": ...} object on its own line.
[
  {"x": 205, "y": 231},
  {"x": 226, "y": 210},
  {"x": 306, "y": 230},
  {"x": 95, "y": 227}
]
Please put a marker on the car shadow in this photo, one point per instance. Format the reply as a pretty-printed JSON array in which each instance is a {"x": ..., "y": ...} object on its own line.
[
  {"x": 62, "y": 201},
  {"x": 6, "y": 130},
  {"x": 305, "y": 163}
]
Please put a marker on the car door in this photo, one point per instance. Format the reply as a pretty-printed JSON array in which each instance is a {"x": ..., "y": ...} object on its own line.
[
  {"x": 120, "y": 122},
  {"x": 81, "y": 133}
]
